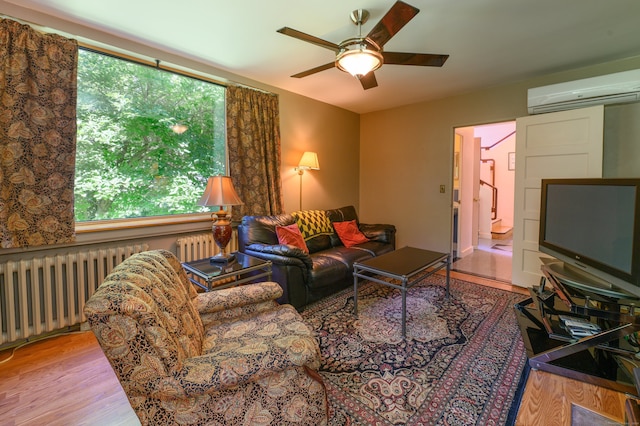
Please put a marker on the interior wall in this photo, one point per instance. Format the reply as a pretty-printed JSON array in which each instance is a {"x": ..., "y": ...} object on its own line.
[
  {"x": 406, "y": 153},
  {"x": 334, "y": 134},
  {"x": 622, "y": 136}
]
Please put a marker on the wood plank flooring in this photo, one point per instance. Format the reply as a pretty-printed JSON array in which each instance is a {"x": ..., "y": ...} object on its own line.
[
  {"x": 66, "y": 380},
  {"x": 547, "y": 400}
]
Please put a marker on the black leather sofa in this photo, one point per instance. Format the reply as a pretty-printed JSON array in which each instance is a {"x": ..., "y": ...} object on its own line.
[{"x": 327, "y": 268}]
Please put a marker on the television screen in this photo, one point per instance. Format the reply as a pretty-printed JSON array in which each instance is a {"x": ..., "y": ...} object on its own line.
[
  {"x": 593, "y": 224},
  {"x": 595, "y": 221}
]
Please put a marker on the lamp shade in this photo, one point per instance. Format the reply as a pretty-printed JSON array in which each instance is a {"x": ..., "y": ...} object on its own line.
[
  {"x": 309, "y": 161},
  {"x": 219, "y": 192}
]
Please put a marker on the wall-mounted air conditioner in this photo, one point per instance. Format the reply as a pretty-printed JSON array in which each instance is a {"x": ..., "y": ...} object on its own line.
[{"x": 620, "y": 87}]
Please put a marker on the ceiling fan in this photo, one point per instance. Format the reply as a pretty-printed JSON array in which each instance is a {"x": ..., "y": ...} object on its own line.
[{"x": 361, "y": 56}]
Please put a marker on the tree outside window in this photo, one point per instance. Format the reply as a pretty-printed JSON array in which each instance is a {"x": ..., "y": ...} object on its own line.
[{"x": 147, "y": 139}]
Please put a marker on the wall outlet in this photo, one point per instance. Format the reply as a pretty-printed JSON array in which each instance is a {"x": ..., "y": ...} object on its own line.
[{"x": 442, "y": 189}]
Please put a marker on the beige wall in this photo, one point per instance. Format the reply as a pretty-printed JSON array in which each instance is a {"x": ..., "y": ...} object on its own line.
[
  {"x": 333, "y": 133},
  {"x": 622, "y": 137},
  {"x": 406, "y": 153}
]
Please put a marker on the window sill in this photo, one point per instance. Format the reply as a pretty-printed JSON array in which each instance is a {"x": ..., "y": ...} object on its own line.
[
  {"x": 142, "y": 222},
  {"x": 109, "y": 230}
]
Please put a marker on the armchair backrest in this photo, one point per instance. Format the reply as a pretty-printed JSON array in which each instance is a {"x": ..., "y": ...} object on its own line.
[{"x": 144, "y": 319}]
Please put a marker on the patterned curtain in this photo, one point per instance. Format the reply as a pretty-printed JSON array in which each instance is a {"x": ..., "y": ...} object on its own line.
[
  {"x": 37, "y": 136},
  {"x": 253, "y": 142}
]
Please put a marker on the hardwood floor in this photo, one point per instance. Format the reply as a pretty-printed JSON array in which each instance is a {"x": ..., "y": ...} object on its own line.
[
  {"x": 66, "y": 380},
  {"x": 547, "y": 400}
]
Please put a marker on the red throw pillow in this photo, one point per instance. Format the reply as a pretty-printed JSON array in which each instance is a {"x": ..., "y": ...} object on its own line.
[
  {"x": 349, "y": 233},
  {"x": 290, "y": 235}
]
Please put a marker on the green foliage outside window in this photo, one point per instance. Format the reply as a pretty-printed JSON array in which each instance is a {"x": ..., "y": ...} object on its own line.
[{"x": 129, "y": 161}]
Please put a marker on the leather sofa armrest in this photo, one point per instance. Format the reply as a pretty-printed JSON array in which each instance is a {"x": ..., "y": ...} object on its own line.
[
  {"x": 384, "y": 233},
  {"x": 280, "y": 254}
]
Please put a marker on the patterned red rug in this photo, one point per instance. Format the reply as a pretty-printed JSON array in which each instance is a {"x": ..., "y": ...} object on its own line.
[{"x": 460, "y": 364}]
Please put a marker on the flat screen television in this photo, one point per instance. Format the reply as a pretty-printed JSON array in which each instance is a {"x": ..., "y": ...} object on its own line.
[{"x": 593, "y": 225}]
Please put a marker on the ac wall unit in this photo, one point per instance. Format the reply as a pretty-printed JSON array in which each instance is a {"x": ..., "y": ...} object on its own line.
[{"x": 614, "y": 88}]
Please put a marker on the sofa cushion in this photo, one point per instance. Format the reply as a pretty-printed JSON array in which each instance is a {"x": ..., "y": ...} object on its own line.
[
  {"x": 261, "y": 229},
  {"x": 349, "y": 233},
  {"x": 327, "y": 270},
  {"x": 290, "y": 235},
  {"x": 313, "y": 223},
  {"x": 349, "y": 255},
  {"x": 374, "y": 248},
  {"x": 341, "y": 215},
  {"x": 315, "y": 228},
  {"x": 252, "y": 347}
]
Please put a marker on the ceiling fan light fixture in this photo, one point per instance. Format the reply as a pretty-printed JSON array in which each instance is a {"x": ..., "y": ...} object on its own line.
[{"x": 359, "y": 61}]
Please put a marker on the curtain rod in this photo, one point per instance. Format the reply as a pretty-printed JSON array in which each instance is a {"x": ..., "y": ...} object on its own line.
[{"x": 130, "y": 56}]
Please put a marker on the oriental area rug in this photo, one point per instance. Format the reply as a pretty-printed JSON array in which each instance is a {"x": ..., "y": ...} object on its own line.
[{"x": 459, "y": 365}]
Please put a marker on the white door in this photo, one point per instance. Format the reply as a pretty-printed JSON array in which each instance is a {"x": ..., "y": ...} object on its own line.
[{"x": 565, "y": 144}]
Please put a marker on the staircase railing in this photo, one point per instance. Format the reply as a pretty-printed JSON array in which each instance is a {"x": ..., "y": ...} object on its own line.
[
  {"x": 487, "y": 148},
  {"x": 494, "y": 199}
]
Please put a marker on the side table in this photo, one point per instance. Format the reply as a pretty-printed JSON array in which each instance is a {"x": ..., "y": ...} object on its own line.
[{"x": 242, "y": 270}]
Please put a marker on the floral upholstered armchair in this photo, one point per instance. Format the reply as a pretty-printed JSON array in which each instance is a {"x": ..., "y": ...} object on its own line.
[{"x": 232, "y": 356}]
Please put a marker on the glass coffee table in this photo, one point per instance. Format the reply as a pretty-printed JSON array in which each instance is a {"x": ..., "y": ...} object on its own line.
[
  {"x": 243, "y": 269},
  {"x": 401, "y": 266}
]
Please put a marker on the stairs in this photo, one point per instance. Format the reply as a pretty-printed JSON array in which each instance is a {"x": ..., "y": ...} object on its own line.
[{"x": 500, "y": 232}]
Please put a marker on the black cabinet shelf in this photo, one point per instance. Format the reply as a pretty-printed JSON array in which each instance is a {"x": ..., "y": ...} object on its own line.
[{"x": 606, "y": 358}]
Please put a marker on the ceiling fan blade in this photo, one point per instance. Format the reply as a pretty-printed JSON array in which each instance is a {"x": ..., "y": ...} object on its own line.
[
  {"x": 309, "y": 38},
  {"x": 396, "y": 18},
  {"x": 423, "y": 59},
  {"x": 315, "y": 70},
  {"x": 369, "y": 81}
]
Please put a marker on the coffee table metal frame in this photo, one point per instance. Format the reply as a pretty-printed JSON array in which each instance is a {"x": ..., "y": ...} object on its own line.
[{"x": 410, "y": 262}]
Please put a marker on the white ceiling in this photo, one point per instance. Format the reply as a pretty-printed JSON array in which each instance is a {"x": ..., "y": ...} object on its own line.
[{"x": 491, "y": 42}]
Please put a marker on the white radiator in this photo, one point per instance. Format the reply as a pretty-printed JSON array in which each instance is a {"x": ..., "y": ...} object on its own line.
[
  {"x": 46, "y": 293},
  {"x": 199, "y": 246}
]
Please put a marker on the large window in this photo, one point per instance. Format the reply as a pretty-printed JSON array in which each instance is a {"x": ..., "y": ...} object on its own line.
[{"x": 147, "y": 139}]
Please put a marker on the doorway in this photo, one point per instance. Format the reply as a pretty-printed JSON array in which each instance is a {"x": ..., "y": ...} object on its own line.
[{"x": 483, "y": 193}]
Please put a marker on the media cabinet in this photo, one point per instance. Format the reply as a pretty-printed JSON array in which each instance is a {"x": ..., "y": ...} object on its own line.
[{"x": 607, "y": 358}]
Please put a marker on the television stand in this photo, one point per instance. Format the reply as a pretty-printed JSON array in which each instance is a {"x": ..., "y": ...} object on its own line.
[{"x": 606, "y": 358}]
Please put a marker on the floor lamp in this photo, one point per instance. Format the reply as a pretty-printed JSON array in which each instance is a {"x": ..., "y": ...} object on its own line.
[{"x": 309, "y": 161}]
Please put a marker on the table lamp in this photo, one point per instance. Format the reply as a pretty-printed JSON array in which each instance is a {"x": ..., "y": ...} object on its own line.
[{"x": 220, "y": 192}]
